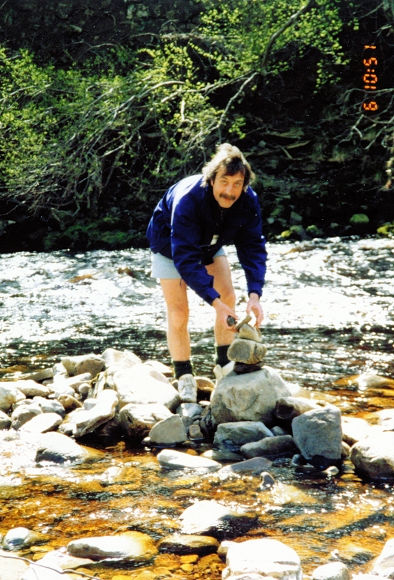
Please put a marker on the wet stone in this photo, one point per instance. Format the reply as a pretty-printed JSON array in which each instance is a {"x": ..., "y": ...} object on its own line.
[
  {"x": 189, "y": 544},
  {"x": 261, "y": 558},
  {"x": 169, "y": 431},
  {"x": 214, "y": 519},
  {"x": 127, "y": 547},
  {"x": 172, "y": 459}
]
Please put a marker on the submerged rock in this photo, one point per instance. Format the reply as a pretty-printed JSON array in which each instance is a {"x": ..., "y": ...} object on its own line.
[{"x": 188, "y": 544}]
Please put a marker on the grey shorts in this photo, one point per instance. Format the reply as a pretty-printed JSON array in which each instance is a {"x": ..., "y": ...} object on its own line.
[{"x": 163, "y": 267}]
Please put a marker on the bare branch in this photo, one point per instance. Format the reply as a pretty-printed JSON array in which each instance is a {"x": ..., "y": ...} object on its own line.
[{"x": 290, "y": 22}]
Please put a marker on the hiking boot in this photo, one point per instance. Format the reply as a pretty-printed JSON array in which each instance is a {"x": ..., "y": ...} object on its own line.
[{"x": 187, "y": 389}]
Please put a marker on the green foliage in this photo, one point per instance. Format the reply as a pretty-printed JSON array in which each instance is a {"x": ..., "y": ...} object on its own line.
[
  {"x": 244, "y": 32},
  {"x": 386, "y": 230},
  {"x": 107, "y": 135}
]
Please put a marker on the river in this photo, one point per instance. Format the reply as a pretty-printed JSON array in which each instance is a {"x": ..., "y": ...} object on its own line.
[{"x": 329, "y": 316}]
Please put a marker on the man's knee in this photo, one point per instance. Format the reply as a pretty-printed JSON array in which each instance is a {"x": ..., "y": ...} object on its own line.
[
  {"x": 227, "y": 296},
  {"x": 178, "y": 317}
]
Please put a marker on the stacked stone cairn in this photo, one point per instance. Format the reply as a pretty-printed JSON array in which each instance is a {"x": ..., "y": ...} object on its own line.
[{"x": 247, "y": 350}]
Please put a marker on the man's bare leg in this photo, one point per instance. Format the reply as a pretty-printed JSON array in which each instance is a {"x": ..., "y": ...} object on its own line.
[
  {"x": 220, "y": 270},
  {"x": 175, "y": 296}
]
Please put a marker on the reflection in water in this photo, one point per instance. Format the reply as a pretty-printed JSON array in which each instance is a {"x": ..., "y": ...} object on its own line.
[{"x": 329, "y": 315}]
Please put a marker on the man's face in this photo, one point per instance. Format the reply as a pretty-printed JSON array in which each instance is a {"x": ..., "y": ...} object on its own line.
[{"x": 227, "y": 188}]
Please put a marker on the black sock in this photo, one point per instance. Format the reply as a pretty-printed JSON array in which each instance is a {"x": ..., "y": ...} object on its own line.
[
  {"x": 182, "y": 367},
  {"x": 221, "y": 355}
]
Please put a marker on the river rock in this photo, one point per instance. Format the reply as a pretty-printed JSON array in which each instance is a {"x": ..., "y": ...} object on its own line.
[
  {"x": 19, "y": 538},
  {"x": 278, "y": 446},
  {"x": 287, "y": 408},
  {"x": 142, "y": 385},
  {"x": 23, "y": 413},
  {"x": 5, "y": 421},
  {"x": 11, "y": 569},
  {"x": 249, "y": 332},
  {"x": 53, "y": 565},
  {"x": 42, "y": 423},
  {"x": 248, "y": 397},
  {"x": 246, "y": 351},
  {"x": 69, "y": 402},
  {"x": 137, "y": 420},
  {"x": 59, "y": 448},
  {"x": 355, "y": 428},
  {"x": 384, "y": 563},
  {"x": 259, "y": 559},
  {"x": 85, "y": 363},
  {"x": 234, "y": 435},
  {"x": 318, "y": 435},
  {"x": 386, "y": 419},
  {"x": 188, "y": 544},
  {"x": 172, "y": 459},
  {"x": 50, "y": 405},
  {"x": 82, "y": 421},
  {"x": 189, "y": 412},
  {"x": 373, "y": 456},
  {"x": 222, "y": 455},
  {"x": 119, "y": 358},
  {"x": 31, "y": 388},
  {"x": 129, "y": 547},
  {"x": 169, "y": 431},
  {"x": 9, "y": 395},
  {"x": 70, "y": 385},
  {"x": 208, "y": 517},
  {"x": 331, "y": 571},
  {"x": 253, "y": 466}
]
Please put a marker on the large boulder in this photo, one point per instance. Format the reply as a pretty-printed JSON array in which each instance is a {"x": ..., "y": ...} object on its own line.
[{"x": 248, "y": 397}]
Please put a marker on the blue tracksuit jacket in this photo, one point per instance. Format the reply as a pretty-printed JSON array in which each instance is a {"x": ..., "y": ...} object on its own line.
[{"x": 189, "y": 226}]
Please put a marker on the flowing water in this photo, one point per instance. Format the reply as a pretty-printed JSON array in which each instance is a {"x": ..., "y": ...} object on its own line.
[{"x": 329, "y": 316}]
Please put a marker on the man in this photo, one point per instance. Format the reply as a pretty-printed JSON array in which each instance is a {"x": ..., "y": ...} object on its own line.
[{"x": 188, "y": 228}]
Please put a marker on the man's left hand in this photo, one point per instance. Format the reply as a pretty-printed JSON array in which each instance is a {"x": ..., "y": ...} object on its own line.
[{"x": 255, "y": 307}]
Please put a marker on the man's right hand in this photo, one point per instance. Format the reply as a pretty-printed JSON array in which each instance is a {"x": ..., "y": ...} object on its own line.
[{"x": 223, "y": 312}]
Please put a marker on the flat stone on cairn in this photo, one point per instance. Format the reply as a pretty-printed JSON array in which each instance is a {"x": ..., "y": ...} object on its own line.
[{"x": 246, "y": 349}]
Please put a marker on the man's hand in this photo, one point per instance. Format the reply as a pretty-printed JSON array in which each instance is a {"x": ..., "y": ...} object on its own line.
[
  {"x": 223, "y": 312},
  {"x": 255, "y": 307}
]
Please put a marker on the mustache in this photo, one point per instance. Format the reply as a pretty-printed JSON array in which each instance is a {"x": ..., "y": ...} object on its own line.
[{"x": 228, "y": 197}]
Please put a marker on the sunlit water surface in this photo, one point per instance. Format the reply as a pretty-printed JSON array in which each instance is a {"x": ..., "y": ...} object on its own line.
[{"x": 328, "y": 316}]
